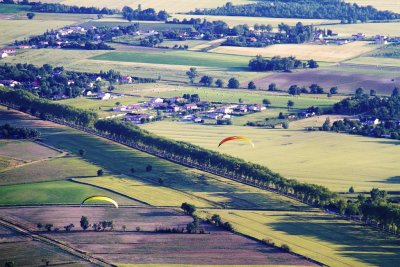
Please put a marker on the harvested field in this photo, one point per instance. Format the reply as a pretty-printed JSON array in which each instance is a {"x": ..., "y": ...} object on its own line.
[
  {"x": 347, "y": 82},
  {"x": 326, "y": 53},
  {"x": 369, "y": 29},
  {"x": 26, "y": 252},
  {"x": 392, "y": 5},
  {"x": 147, "y": 247},
  {"x": 26, "y": 150}
]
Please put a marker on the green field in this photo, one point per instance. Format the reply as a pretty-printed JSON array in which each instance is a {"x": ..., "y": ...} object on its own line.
[
  {"x": 186, "y": 58},
  {"x": 337, "y": 161},
  {"x": 376, "y": 62},
  {"x": 59, "y": 192},
  {"x": 7, "y": 9},
  {"x": 388, "y": 51},
  {"x": 325, "y": 238}
]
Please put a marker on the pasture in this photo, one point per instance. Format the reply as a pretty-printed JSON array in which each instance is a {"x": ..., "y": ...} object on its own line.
[
  {"x": 326, "y": 53},
  {"x": 24, "y": 251},
  {"x": 325, "y": 238},
  {"x": 346, "y": 81},
  {"x": 336, "y": 161},
  {"x": 185, "y": 58},
  {"x": 376, "y": 62},
  {"x": 149, "y": 247}
]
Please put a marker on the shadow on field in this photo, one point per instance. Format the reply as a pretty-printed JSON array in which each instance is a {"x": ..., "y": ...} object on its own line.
[
  {"x": 390, "y": 180},
  {"x": 356, "y": 241}
]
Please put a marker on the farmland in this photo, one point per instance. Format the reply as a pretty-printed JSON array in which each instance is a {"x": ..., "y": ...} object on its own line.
[
  {"x": 319, "y": 236},
  {"x": 186, "y": 58},
  {"x": 392, "y": 5},
  {"x": 145, "y": 246},
  {"x": 369, "y": 29},
  {"x": 347, "y": 82},
  {"x": 326, "y": 53},
  {"x": 364, "y": 162},
  {"x": 26, "y": 151}
]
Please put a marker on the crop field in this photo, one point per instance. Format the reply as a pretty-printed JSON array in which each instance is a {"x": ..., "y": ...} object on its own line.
[
  {"x": 58, "y": 192},
  {"x": 369, "y": 29},
  {"x": 25, "y": 150},
  {"x": 328, "y": 239},
  {"x": 388, "y": 51},
  {"x": 24, "y": 251},
  {"x": 392, "y": 5},
  {"x": 376, "y": 62},
  {"x": 185, "y": 58},
  {"x": 236, "y": 20},
  {"x": 325, "y": 53},
  {"x": 172, "y": 7},
  {"x": 190, "y": 43},
  {"x": 336, "y": 161},
  {"x": 78, "y": 61},
  {"x": 215, "y": 247},
  {"x": 347, "y": 82},
  {"x": 19, "y": 29}
]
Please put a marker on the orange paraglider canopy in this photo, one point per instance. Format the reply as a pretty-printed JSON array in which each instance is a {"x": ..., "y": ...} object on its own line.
[{"x": 235, "y": 138}]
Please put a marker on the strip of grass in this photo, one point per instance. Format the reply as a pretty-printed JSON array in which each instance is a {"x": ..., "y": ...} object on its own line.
[{"x": 187, "y": 58}]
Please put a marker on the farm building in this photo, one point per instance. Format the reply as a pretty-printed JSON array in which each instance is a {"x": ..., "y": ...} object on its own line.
[{"x": 104, "y": 96}]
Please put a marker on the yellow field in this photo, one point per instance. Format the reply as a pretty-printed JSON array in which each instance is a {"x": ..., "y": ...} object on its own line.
[
  {"x": 369, "y": 29},
  {"x": 236, "y": 20},
  {"x": 170, "y": 6},
  {"x": 337, "y": 161},
  {"x": 376, "y": 61},
  {"x": 327, "y": 53},
  {"x": 325, "y": 238},
  {"x": 153, "y": 195},
  {"x": 392, "y": 5},
  {"x": 12, "y": 30}
]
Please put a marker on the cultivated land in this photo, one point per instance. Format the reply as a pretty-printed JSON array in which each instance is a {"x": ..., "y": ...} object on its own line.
[
  {"x": 172, "y": 7},
  {"x": 377, "y": 62},
  {"x": 347, "y": 82},
  {"x": 25, "y": 150},
  {"x": 326, "y": 53},
  {"x": 369, "y": 29},
  {"x": 187, "y": 58},
  {"x": 338, "y": 161},
  {"x": 319, "y": 236},
  {"x": 216, "y": 247},
  {"x": 236, "y": 20},
  {"x": 24, "y": 251}
]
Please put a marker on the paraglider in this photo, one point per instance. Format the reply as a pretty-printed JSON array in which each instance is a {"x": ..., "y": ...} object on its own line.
[
  {"x": 235, "y": 138},
  {"x": 101, "y": 198}
]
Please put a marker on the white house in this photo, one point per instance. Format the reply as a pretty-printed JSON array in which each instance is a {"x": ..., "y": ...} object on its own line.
[
  {"x": 104, "y": 96},
  {"x": 4, "y": 55},
  {"x": 256, "y": 108}
]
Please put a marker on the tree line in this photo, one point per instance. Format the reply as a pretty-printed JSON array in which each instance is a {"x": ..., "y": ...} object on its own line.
[
  {"x": 279, "y": 63},
  {"x": 255, "y": 174},
  {"x": 45, "y": 109},
  {"x": 146, "y": 14},
  {"x": 307, "y": 9},
  {"x": 9, "y": 132}
]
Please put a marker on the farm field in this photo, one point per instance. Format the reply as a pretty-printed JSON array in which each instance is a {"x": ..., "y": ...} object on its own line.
[
  {"x": 214, "y": 248},
  {"x": 172, "y": 7},
  {"x": 388, "y": 51},
  {"x": 392, "y": 5},
  {"x": 369, "y": 29},
  {"x": 328, "y": 239},
  {"x": 325, "y": 53},
  {"x": 337, "y": 162},
  {"x": 236, "y": 20},
  {"x": 346, "y": 81},
  {"x": 376, "y": 62},
  {"x": 57, "y": 192},
  {"x": 185, "y": 58},
  {"x": 79, "y": 61},
  {"x": 26, "y": 151},
  {"x": 10, "y": 9},
  {"x": 24, "y": 251}
]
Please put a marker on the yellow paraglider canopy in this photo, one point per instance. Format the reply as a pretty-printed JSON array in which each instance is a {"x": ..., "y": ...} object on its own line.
[{"x": 101, "y": 198}]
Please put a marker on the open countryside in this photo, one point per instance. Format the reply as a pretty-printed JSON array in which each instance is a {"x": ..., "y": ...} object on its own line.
[{"x": 199, "y": 133}]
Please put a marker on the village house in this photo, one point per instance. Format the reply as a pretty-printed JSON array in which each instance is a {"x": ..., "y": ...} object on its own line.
[
  {"x": 24, "y": 46},
  {"x": 9, "y": 50},
  {"x": 241, "y": 108},
  {"x": 256, "y": 107},
  {"x": 88, "y": 93},
  {"x": 358, "y": 36},
  {"x": 103, "y": 96},
  {"x": 372, "y": 121},
  {"x": 155, "y": 100},
  {"x": 341, "y": 41},
  {"x": 214, "y": 115},
  {"x": 173, "y": 108},
  {"x": 381, "y": 40},
  {"x": 191, "y": 106},
  {"x": 126, "y": 79},
  {"x": 176, "y": 99},
  {"x": 4, "y": 55},
  {"x": 138, "y": 118},
  {"x": 10, "y": 83}
]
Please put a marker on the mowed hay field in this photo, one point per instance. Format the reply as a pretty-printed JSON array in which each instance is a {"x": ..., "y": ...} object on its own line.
[
  {"x": 326, "y": 53},
  {"x": 337, "y": 161},
  {"x": 216, "y": 247},
  {"x": 346, "y": 81},
  {"x": 392, "y": 5},
  {"x": 170, "y": 6},
  {"x": 24, "y": 251},
  {"x": 369, "y": 29},
  {"x": 332, "y": 241},
  {"x": 236, "y": 20}
]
